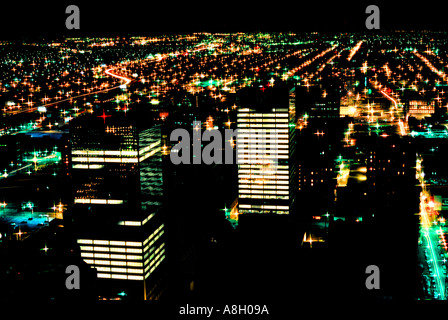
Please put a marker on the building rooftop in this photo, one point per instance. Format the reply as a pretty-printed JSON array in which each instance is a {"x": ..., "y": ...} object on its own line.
[{"x": 263, "y": 97}]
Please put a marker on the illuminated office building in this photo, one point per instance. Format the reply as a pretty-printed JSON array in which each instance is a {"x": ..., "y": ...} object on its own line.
[
  {"x": 265, "y": 150},
  {"x": 117, "y": 188}
]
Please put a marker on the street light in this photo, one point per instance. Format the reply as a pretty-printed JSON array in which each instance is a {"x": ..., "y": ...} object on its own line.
[
  {"x": 326, "y": 220},
  {"x": 30, "y": 205},
  {"x": 19, "y": 234},
  {"x": 45, "y": 249}
]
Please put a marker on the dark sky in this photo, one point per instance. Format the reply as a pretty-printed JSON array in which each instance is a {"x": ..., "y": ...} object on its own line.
[{"x": 20, "y": 18}]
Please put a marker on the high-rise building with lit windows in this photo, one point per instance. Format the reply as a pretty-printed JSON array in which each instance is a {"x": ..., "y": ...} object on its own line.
[
  {"x": 117, "y": 188},
  {"x": 322, "y": 102},
  {"x": 265, "y": 150}
]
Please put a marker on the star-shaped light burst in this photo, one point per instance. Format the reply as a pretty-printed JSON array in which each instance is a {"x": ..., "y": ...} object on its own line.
[{"x": 104, "y": 116}]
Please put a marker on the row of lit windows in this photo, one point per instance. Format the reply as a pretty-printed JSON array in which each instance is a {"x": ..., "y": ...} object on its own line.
[
  {"x": 261, "y": 150},
  {"x": 151, "y": 146},
  {"x": 155, "y": 259},
  {"x": 273, "y": 110},
  {"x": 256, "y": 162},
  {"x": 98, "y": 201},
  {"x": 265, "y": 211},
  {"x": 270, "y": 125},
  {"x": 130, "y": 223},
  {"x": 262, "y": 130},
  {"x": 155, "y": 255},
  {"x": 155, "y": 266},
  {"x": 262, "y": 176},
  {"x": 328, "y": 109},
  {"x": 263, "y": 173},
  {"x": 136, "y": 223},
  {"x": 250, "y": 206},
  {"x": 280, "y": 166},
  {"x": 269, "y": 170},
  {"x": 119, "y": 270},
  {"x": 244, "y": 146},
  {"x": 257, "y": 143},
  {"x": 266, "y": 197},
  {"x": 241, "y": 191},
  {"x": 116, "y": 256},
  {"x": 120, "y": 129},
  {"x": 102, "y": 159},
  {"x": 261, "y": 135},
  {"x": 119, "y": 276},
  {"x": 262, "y": 181},
  {"x": 247, "y": 158},
  {"x": 153, "y": 234},
  {"x": 110, "y": 249},
  {"x": 260, "y": 161},
  {"x": 149, "y": 256},
  {"x": 87, "y": 166},
  {"x": 105, "y": 152},
  {"x": 258, "y": 186},
  {"x": 114, "y": 262},
  {"x": 149, "y": 154},
  {"x": 262, "y": 120},
  {"x": 153, "y": 241},
  {"x": 110, "y": 242},
  {"x": 326, "y": 116}
]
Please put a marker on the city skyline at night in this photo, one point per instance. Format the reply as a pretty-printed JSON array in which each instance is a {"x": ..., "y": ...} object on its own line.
[{"x": 196, "y": 166}]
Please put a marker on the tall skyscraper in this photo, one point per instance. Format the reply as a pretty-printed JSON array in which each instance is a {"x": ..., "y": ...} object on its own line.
[
  {"x": 117, "y": 187},
  {"x": 266, "y": 148}
]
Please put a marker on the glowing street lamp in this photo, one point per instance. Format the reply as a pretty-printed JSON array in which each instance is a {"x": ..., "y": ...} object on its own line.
[{"x": 19, "y": 234}]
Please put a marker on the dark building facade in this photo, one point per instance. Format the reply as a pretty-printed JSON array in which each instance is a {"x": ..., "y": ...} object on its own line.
[{"x": 318, "y": 102}]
